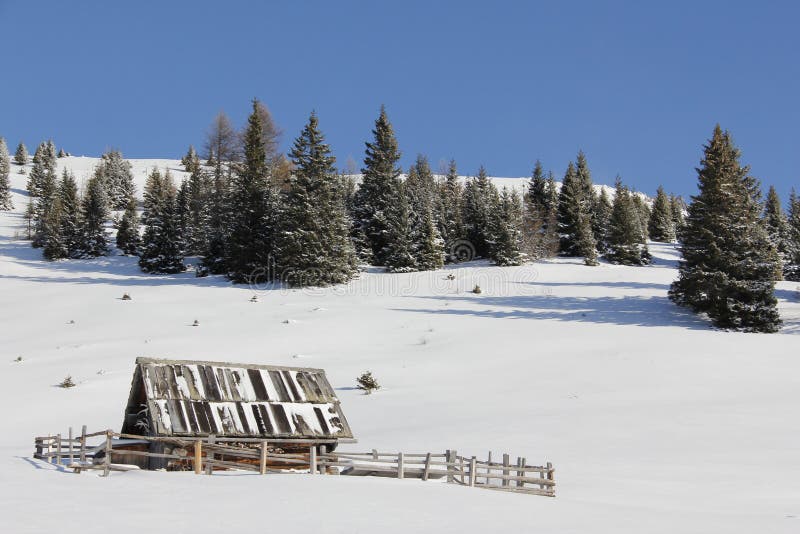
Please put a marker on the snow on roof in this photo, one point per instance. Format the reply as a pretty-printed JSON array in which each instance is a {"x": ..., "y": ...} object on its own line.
[{"x": 197, "y": 398}]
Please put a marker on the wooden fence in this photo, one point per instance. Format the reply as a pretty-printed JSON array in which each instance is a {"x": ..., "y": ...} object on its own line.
[{"x": 204, "y": 455}]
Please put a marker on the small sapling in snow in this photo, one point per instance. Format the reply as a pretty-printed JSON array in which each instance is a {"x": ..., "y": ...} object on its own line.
[
  {"x": 196, "y": 323},
  {"x": 67, "y": 382},
  {"x": 126, "y": 296},
  {"x": 477, "y": 289},
  {"x": 18, "y": 359},
  {"x": 367, "y": 383}
]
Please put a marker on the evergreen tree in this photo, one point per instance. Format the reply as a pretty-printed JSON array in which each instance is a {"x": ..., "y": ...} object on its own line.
[
  {"x": 21, "y": 155},
  {"x": 661, "y": 225},
  {"x": 626, "y": 242},
  {"x": 377, "y": 192},
  {"x": 47, "y": 193},
  {"x": 161, "y": 249},
  {"x": 451, "y": 223},
  {"x": 777, "y": 228},
  {"x": 53, "y": 246},
  {"x": 191, "y": 160},
  {"x": 94, "y": 214},
  {"x": 602, "y": 218},
  {"x": 399, "y": 251},
  {"x": 183, "y": 214},
  {"x": 314, "y": 246},
  {"x": 430, "y": 252},
  {"x": 677, "y": 208},
  {"x": 575, "y": 204},
  {"x": 507, "y": 221},
  {"x": 642, "y": 212},
  {"x": 250, "y": 245},
  {"x": 200, "y": 193},
  {"x": 62, "y": 153},
  {"x": 5, "y": 185},
  {"x": 728, "y": 264},
  {"x": 791, "y": 263},
  {"x": 481, "y": 202},
  {"x": 128, "y": 239},
  {"x": 115, "y": 173},
  {"x": 270, "y": 135},
  {"x": 43, "y": 171},
  {"x": 539, "y": 228},
  {"x": 584, "y": 179},
  {"x": 420, "y": 189},
  {"x": 70, "y": 228}
]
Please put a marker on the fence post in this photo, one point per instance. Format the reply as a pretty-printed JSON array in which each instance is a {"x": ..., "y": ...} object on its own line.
[
  {"x": 48, "y": 458},
  {"x": 323, "y": 450},
  {"x": 58, "y": 449},
  {"x": 401, "y": 465},
  {"x": 71, "y": 448},
  {"x": 427, "y": 466},
  {"x": 520, "y": 473},
  {"x": 551, "y": 477},
  {"x": 506, "y": 472},
  {"x": 374, "y": 454},
  {"x": 198, "y": 457},
  {"x": 488, "y": 468},
  {"x": 210, "y": 455},
  {"x": 107, "y": 459},
  {"x": 262, "y": 460},
  {"x": 473, "y": 468},
  {"x": 312, "y": 464},
  {"x": 83, "y": 445},
  {"x": 449, "y": 459}
]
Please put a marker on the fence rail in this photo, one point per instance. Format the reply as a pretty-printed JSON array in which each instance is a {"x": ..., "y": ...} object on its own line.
[{"x": 204, "y": 455}]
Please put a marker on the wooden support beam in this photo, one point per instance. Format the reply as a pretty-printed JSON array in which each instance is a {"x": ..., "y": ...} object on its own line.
[
  {"x": 107, "y": 459},
  {"x": 312, "y": 464},
  {"x": 83, "y": 444},
  {"x": 520, "y": 473},
  {"x": 472, "y": 471},
  {"x": 198, "y": 457},
  {"x": 71, "y": 448},
  {"x": 262, "y": 461},
  {"x": 506, "y": 472},
  {"x": 210, "y": 455},
  {"x": 427, "y": 470},
  {"x": 58, "y": 449}
]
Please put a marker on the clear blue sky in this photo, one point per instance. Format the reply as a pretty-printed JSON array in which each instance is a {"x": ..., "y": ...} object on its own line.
[{"x": 637, "y": 85}]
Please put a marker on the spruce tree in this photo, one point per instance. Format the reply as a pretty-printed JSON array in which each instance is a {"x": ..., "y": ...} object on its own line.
[
  {"x": 94, "y": 214},
  {"x": 677, "y": 208},
  {"x": 5, "y": 185},
  {"x": 200, "y": 197},
  {"x": 250, "y": 245},
  {"x": 430, "y": 251},
  {"x": 420, "y": 190},
  {"x": 602, "y": 218},
  {"x": 791, "y": 263},
  {"x": 70, "y": 225},
  {"x": 115, "y": 173},
  {"x": 481, "y": 202},
  {"x": 53, "y": 246},
  {"x": 47, "y": 194},
  {"x": 21, "y": 155},
  {"x": 584, "y": 178},
  {"x": 451, "y": 222},
  {"x": 378, "y": 188},
  {"x": 43, "y": 171},
  {"x": 661, "y": 225},
  {"x": 128, "y": 238},
  {"x": 642, "y": 212},
  {"x": 399, "y": 251},
  {"x": 183, "y": 214},
  {"x": 728, "y": 265},
  {"x": 626, "y": 242},
  {"x": 313, "y": 244},
  {"x": 191, "y": 160},
  {"x": 507, "y": 221},
  {"x": 575, "y": 205},
  {"x": 539, "y": 228},
  {"x": 162, "y": 248},
  {"x": 777, "y": 228}
]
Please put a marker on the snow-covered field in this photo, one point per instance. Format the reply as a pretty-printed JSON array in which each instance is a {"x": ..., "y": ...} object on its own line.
[{"x": 654, "y": 421}]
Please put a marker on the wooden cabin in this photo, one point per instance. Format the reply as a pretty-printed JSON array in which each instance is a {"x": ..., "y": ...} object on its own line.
[{"x": 241, "y": 404}]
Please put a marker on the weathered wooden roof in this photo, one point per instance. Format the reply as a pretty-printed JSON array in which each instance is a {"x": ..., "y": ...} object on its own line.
[{"x": 196, "y": 398}]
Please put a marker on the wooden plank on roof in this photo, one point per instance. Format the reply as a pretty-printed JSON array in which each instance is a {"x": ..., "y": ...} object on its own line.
[
  {"x": 258, "y": 385},
  {"x": 277, "y": 381}
]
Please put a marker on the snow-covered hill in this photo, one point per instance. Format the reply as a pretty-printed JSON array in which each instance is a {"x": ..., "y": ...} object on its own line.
[{"x": 654, "y": 421}]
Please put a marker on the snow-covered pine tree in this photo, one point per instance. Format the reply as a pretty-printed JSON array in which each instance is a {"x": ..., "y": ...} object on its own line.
[
  {"x": 451, "y": 222},
  {"x": 200, "y": 191},
  {"x": 39, "y": 172},
  {"x": 313, "y": 242},
  {"x": 183, "y": 214},
  {"x": 94, "y": 214},
  {"x": 661, "y": 225},
  {"x": 5, "y": 171},
  {"x": 574, "y": 211},
  {"x": 584, "y": 177},
  {"x": 602, "y": 219},
  {"x": 21, "y": 154},
  {"x": 791, "y": 264},
  {"x": 270, "y": 135},
  {"x": 626, "y": 242},
  {"x": 115, "y": 172},
  {"x": 420, "y": 189},
  {"x": 70, "y": 224},
  {"x": 53, "y": 246},
  {"x": 161, "y": 249},
  {"x": 728, "y": 264},
  {"x": 222, "y": 150},
  {"x": 377, "y": 192},
  {"x": 47, "y": 193},
  {"x": 507, "y": 221},
  {"x": 539, "y": 227},
  {"x": 481, "y": 202},
  {"x": 62, "y": 153},
  {"x": 128, "y": 239},
  {"x": 643, "y": 212},
  {"x": 677, "y": 207},
  {"x": 190, "y": 160},
  {"x": 399, "y": 250},
  {"x": 429, "y": 251},
  {"x": 777, "y": 228},
  {"x": 249, "y": 250}
]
